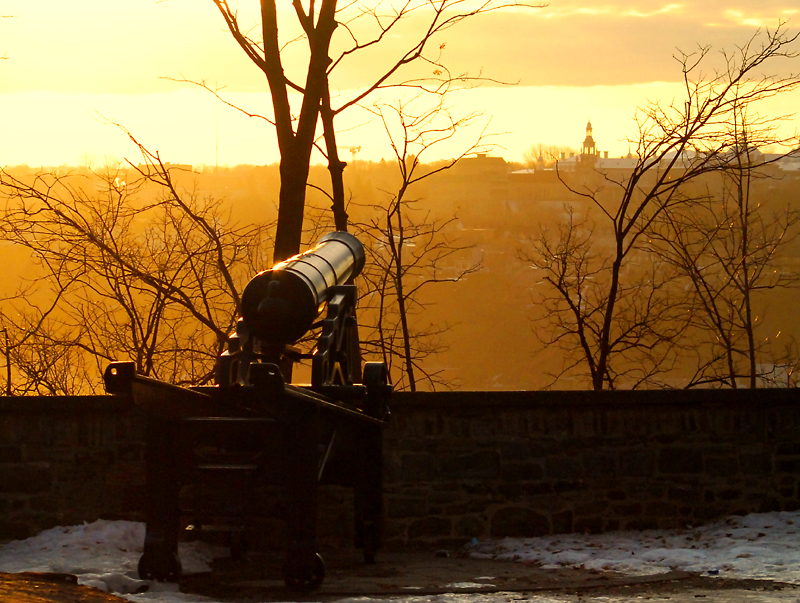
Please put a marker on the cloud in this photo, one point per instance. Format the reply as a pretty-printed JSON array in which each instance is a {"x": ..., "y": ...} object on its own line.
[
  {"x": 759, "y": 18},
  {"x": 564, "y": 10},
  {"x": 108, "y": 47},
  {"x": 664, "y": 10}
]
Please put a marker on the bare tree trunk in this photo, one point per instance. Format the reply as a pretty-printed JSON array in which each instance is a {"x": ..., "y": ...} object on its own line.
[
  {"x": 600, "y": 374},
  {"x": 396, "y": 241},
  {"x": 335, "y": 164},
  {"x": 295, "y": 147},
  {"x": 288, "y": 233}
]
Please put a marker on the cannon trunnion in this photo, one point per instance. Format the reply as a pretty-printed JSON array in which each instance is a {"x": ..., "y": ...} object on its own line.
[{"x": 253, "y": 428}]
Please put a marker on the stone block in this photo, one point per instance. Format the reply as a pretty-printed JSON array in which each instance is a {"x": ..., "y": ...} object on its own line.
[
  {"x": 401, "y": 507},
  {"x": 131, "y": 452},
  {"x": 471, "y": 526},
  {"x": 451, "y": 510},
  {"x": 646, "y": 489},
  {"x": 518, "y": 522},
  {"x": 510, "y": 490},
  {"x": 659, "y": 510},
  {"x": 589, "y": 525},
  {"x": 564, "y": 486},
  {"x": 628, "y": 510},
  {"x": 639, "y": 524},
  {"x": 544, "y": 448},
  {"x": 395, "y": 530},
  {"x": 25, "y": 478},
  {"x": 765, "y": 504},
  {"x": 478, "y": 465},
  {"x": 125, "y": 473},
  {"x": 791, "y": 448},
  {"x": 756, "y": 463},
  {"x": 44, "y": 503},
  {"x": 729, "y": 494},
  {"x": 16, "y": 529},
  {"x": 430, "y": 527},
  {"x": 601, "y": 464},
  {"x": 515, "y": 450},
  {"x": 521, "y": 471},
  {"x": 10, "y": 454},
  {"x": 727, "y": 466},
  {"x": 417, "y": 467},
  {"x": 680, "y": 460},
  {"x": 459, "y": 429},
  {"x": 636, "y": 462},
  {"x": 562, "y": 522},
  {"x": 591, "y": 507},
  {"x": 709, "y": 512},
  {"x": 483, "y": 429},
  {"x": 564, "y": 467},
  {"x": 444, "y": 497},
  {"x": 479, "y": 504},
  {"x": 787, "y": 465},
  {"x": 479, "y": 489},
  {"x": 541, "y": 488},
  {"x": 684, "y": 495}
]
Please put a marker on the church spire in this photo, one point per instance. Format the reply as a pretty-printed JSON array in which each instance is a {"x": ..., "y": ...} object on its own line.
[{"x": 588, "y": 150}]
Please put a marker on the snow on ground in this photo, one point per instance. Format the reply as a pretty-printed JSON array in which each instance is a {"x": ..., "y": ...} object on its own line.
[
  {"x": 763, "y": 546},
  {"x": 105, "y": 553}
]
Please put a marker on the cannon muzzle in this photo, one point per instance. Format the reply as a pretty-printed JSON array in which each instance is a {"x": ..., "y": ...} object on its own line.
[{"x": 280, "y": 305}]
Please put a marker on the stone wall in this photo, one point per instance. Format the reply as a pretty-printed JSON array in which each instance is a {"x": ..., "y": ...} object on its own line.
[
  {"x": 463, "y": 465},
  {"x": 68, "y": 460},
  {"x": 459, "y": 464}
]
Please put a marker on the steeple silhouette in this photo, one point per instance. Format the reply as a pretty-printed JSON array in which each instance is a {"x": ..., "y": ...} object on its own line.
[{"x": 588, "y": 151}]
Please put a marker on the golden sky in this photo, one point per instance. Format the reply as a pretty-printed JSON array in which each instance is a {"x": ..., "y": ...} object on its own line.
[{"x": 72, "y": 66}]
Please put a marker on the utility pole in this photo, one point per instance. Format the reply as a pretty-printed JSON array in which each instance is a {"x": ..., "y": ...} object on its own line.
[
  {"x": 216, "y": 125},
  {"x": 8, "y": 363}
]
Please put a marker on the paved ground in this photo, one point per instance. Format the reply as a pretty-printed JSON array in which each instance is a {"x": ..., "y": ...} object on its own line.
[
  {"x": 408, "y": 575},
  {"x": 422, "y": 577},
  {"x": 49, "y": 588}
]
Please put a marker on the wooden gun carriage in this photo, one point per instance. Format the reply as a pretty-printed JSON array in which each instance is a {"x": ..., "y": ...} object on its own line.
[{"x": 254, "y": 423}]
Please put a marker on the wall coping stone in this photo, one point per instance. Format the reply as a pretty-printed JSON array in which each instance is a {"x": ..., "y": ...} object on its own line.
[
  {"x": 616, "y": 398},
  {"x": 63, "y": 404},
  {"x": 464, "y": 399}
]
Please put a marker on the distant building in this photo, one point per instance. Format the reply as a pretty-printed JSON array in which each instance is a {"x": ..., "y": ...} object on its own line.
[
  {"x": 473, "y": 190},
  {"x": 485, "y": 192},
  {"x": 590, "y": 158}
]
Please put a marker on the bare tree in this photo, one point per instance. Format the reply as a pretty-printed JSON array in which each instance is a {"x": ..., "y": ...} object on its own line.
[
  {"x": 546, "y": 154},
  {"x": 728, "y": 246},
  {"x": 785, "y": 366},
  {"x": 409, "y": 249},
  {"x": 676, "y": 145},
  {"x": 156, "y": 280},
  {"x": 366, "y": 29},
  {"x": 43, "y": 357},
  {"x": 574, "y": 267}
]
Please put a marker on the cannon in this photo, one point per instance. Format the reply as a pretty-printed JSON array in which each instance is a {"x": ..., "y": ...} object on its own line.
[{"x": 254, "y": 425}]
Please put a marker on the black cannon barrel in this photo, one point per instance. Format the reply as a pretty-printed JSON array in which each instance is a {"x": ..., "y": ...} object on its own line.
[{"x": 280, "y": 305}]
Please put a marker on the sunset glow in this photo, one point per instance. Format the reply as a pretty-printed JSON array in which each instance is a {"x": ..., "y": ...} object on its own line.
[{"x": 73, "y": 70}]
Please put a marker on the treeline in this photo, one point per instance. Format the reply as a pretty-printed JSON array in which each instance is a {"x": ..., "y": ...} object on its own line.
[{"x": 148, "y": 263}]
